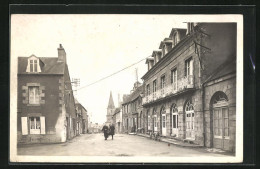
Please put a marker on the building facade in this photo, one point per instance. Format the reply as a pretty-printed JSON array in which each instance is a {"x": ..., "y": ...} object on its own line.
[
  {"x": 132, "y": 108},
  {"x": 46, "y": 108},
  {"x": 81, "y": 116},
  {"x": 186, "y": 96}
]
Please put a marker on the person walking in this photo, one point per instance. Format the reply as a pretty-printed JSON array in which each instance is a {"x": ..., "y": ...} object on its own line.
[
  {"x": 112, "y": 130},
  {"x": 105, "y": 130}
]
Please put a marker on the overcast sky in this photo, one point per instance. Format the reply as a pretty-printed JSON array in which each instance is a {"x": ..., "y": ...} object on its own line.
[{"x": 96, "y": 46}]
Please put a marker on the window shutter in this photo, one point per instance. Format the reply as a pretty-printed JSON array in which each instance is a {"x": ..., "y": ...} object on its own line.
[
  {"x": 42, "y": 119},
  {"x": 191, "y": 67},
  {"x": 24, "y": 126}
]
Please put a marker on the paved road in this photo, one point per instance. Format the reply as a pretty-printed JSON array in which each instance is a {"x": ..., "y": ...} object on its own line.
[{"x": 122, "y": 145}]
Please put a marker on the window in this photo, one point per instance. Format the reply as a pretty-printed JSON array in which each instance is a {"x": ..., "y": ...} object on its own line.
[
  {"x": 148, "y": 89},
  {"x": 34, "y": 95},
  {"x": 162, "y": 81},
  {"x": 155, "y": 121},
  {"x": 175, "y": 121},
  {"x": 163, "y": 121},
  {"x": 188, "y": 67},
  {"x": 154, "y": 86},
  {"x": 174, "y": 78},
  {"x": 33, "y": 65},
  {"x": 34, "y": 124}
]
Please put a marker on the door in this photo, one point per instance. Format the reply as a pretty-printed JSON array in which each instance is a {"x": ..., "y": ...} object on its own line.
[
  {"x": 221, "y": 128},
  {"x": 190, "y": 125},
  {"x": 175, "y": 130},
  {"x": 155, "y": 123},
  {"x": 163, "y": 125}
]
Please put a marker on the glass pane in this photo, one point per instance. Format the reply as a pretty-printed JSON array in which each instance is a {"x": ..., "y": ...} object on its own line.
[
  {"x": 216, "y": 123},
  {"x": 219, "y": 114},
  {"x": 32, "y": 123},
  {"x": 226, "y": 123},
  {"x": 225, "y": 112},
  {"x": 38, "y": 124},
  {"x": 220, "y": 132},
  {"x": 174, "y": 121},
  {"x": 177, "y": 121},
  {"x": 226, "y": 132},
  {"x": 215, "y": 114}
]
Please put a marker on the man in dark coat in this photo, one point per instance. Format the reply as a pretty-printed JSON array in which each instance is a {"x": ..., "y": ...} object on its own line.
[
  {"x": 112, "y": 130},
  {"x": 105, "y": 130}
]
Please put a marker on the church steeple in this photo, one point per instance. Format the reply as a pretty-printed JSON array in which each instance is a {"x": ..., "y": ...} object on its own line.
[{"x": 111, "y": 102}]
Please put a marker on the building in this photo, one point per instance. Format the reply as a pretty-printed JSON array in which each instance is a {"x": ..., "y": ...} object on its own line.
[
  {"x": 81, "y": 116},
  {"x": 110, "y": 109},
  {"x": 132, "y": 109},
  {"x": 46, "y": 107},
  {"x": 190, "y": 86}
]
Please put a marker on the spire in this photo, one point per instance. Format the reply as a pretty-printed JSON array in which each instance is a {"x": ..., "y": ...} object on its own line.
[{"x": 111, "y": 102}]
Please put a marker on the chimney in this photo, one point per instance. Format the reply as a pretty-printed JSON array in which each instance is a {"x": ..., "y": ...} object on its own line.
[{"x": 61, "y": 54}]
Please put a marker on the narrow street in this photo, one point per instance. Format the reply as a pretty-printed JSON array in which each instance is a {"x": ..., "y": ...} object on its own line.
[{"x": 122, "y": 145}]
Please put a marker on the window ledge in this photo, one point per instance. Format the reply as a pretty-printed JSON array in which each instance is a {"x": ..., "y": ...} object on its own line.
[{"x": 33, "y": 104}]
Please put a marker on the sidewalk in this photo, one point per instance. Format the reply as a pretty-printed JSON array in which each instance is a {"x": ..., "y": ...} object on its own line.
[{"x": 173, "y": 141}]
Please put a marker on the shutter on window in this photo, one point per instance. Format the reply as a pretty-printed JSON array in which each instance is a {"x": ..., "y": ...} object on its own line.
[
  {"x": 42, "y": 119},
  {"x": 24, "y": 126}
]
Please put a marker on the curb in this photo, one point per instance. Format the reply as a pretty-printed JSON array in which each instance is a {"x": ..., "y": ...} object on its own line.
[{"x": 176, "y": 144}]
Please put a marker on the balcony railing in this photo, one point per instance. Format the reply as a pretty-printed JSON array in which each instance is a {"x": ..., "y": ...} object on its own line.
[{"x": 182, "y": 84}]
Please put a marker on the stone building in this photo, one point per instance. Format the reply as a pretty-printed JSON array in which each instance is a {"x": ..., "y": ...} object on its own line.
[
  {"x": 132, "y": 108},
  {"x": 110, "y": 109},
  {"x": 81, "y": 118},
  {"x": 46, "y": 107},
  {"x": 190, "y": 86}
]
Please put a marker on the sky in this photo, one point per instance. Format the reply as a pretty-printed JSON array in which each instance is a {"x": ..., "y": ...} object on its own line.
[{"x": 96, "y": 46}]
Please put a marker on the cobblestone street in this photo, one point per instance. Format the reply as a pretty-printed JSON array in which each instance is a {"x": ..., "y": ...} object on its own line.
[{"x": 122, "y": 145}]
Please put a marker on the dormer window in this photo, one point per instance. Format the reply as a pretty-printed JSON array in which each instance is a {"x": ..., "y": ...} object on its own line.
[{"x": 33, "y": 65}]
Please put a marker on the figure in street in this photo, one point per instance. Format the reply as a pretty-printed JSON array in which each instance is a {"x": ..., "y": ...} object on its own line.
[
  {"x": 112, "y": 130},
  {"x": 105, "y": 130}
]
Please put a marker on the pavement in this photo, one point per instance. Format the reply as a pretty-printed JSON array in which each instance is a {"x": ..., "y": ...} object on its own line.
[{"x": 122, "y": 145}]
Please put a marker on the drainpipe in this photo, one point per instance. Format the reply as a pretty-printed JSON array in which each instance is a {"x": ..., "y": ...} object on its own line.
[{"x": 203, "y": 113}]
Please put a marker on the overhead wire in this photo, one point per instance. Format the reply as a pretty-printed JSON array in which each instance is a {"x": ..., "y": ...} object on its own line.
[{"x": 112, "y": 74}]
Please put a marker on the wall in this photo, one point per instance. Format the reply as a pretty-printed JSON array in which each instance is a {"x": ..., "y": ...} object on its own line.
[
  {"x": 228, "y": 86},
  {"x": 50, "y": 108}
]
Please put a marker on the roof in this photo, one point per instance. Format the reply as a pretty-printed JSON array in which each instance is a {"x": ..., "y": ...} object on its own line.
[
  {"x": 226, "y": 68},
  {"x": 111, "y": 102},
  {"x": 134, "y": 95},
  {"x": 182, "y": 31},
  {"x": 117, "y": 110},
  {"x": 49, "y": 65},
  {"x": 149, "y": 58}
]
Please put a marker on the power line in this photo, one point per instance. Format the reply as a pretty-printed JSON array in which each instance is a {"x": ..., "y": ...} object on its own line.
[{"x": 113, "y": 73}]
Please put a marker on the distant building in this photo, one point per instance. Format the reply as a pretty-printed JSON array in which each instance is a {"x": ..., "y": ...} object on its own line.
[
  {"x": 110, "y": 109},
  {"x": 46, "y": 108},
  {"x": 82, "y": 120},
  {"x": 132, "y": 109}
]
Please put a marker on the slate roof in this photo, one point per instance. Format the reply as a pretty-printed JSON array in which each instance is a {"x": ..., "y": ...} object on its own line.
[
  {"x": 134, "y": 95},
  {"x": 49, "y": 65},
  {"x": 226, "y": 68}
]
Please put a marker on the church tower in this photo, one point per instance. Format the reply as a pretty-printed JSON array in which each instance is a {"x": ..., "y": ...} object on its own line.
[{"x": 110, "y": 109}]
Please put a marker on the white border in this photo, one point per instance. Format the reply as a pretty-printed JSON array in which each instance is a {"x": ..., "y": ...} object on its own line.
[{"x": 141, "y": 159}]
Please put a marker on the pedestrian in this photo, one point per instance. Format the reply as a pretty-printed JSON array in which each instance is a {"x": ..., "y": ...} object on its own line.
[
  {"x": 105, "y": 130},
  {"x": 112, "y": 130}
]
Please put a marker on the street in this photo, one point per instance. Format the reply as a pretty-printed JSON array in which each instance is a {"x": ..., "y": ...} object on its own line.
[{"x": 122, "y": 145}]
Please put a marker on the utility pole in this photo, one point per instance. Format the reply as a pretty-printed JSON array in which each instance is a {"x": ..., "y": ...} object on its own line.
[{"x": 75, "y": 83}]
